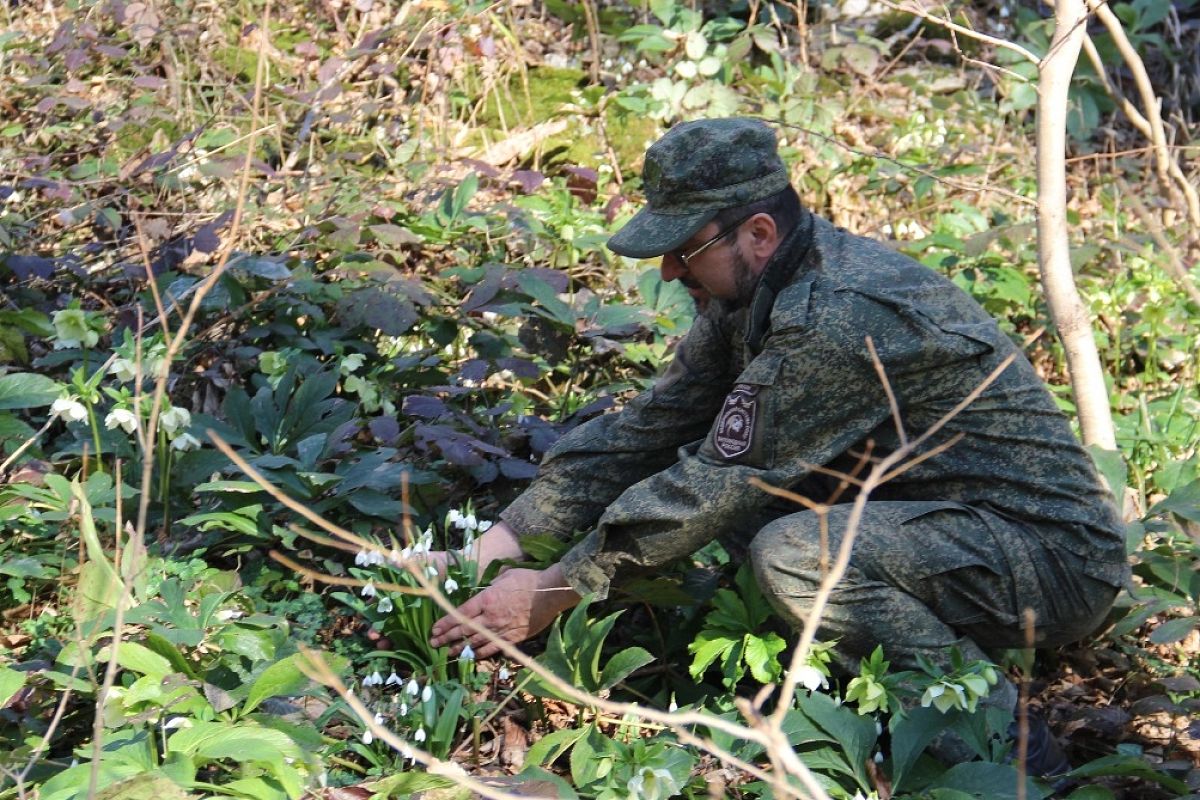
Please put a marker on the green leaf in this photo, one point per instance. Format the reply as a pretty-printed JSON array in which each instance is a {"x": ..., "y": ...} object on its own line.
[
  {"x": 407, "y": 783},
  {"x": 147, "y": 786},
  {"x": 1183, "y": 501},
  {"x": 100, "y": 588},
  {"x": 26, "y": 390},
  {"x": 550, "y": 748},
  {"x": 620, "y": 666},
  {"x": 281, "y": 678},
  {"x": 142, "y": 660},
  {"x": 707, "y": 650},
  {"x": 911, "y": 734},
  {"x": 218, "y": 740},
  {"x": 11, "y": 682},
  {"x": 543, "y": 294},
  {"x": 984, "y": 780},
  {"x": 762, "y": 656},
  {"x": 1174, "y": 630},
  {"x": 855, "y": 733}
]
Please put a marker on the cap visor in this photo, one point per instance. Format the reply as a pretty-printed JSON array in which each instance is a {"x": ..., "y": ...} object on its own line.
[{"x": 650, "y": 234}]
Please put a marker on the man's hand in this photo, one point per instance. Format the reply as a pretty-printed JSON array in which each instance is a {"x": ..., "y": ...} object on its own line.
[
  {"x": 518, "y": 605},
  {"x": 497, "y": 542}
]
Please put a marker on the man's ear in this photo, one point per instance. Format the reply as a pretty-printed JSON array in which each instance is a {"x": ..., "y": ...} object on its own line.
[{"x": 764, "y": 237}]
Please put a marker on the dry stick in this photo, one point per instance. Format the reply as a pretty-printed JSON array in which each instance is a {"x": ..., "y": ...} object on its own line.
[
  {"x": 176, "y": 343},
  {"x": 110, "y": 671},
  {"x": 874, "y": 478},
  {"x": 1023, "y": 708},
  {"x": 145, "y": 253},
  {"x": 887, "y": 388},
  {"x": 593, "y": 29},
  {"x": 1141, "y": 79},
  {"x": 1154, "y": 133},
  {"x": 335, "y": 580},
  {"x": 881, "y": 156},
  {"x": 917, "y": 11},
  {"x": 675, "y": 720}
]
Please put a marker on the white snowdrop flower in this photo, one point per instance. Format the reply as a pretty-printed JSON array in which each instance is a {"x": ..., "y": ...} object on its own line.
[
  {"x": 427, "y": 539},
  {"x": 503, "y": 674},
  {"x": 123, "y": 418},
  {"x": 360, "y": 558},
  {"x": 483, "y": 526},
  {"x": 123, "y": 370},
  {"x": 379, "y": 719},
  {"x": 177, "y": 722},
  {"x": 427, "y": 693},
  {"x": 1004, "y": 12},
  {"x": 467, "y": 653},
  {"x": 394, "y": 680},
  {"x": 70, "y": 409},
  {"x": 878, "y": 757},
  {"x": 368, "y": 590},
  {"x": 14, "y": 198},
  {"x": 811, "y": 678},
  {"x": 626, "y": 68},
  {"x": 385, "y": 605},
  {"x": 413, "y": 687},
  {"x": 376, "y": 558},
  {"x": 367, "y": 736},
  {"x": 226, "y": 614},
  {"x": 175, "y": 419},
  {"x": 453, "y": 516},
  {"x": 878, "y": 728},
  {"x": 374, "y": 679},
  {"x": 406, "y": 553},
  {"x": 420, "y": 734},
  {"x": 431, "y": 571},
  {"x": 184, "y": 442},
  {"x": 887, "y": 229},
  {"x": 673, "y": 707},
  {"x": 404, "y": 709},
  {"x": 451, "y": 586}
]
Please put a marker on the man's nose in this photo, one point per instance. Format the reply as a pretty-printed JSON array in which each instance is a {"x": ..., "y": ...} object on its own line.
[{"x": 672, "y": 267}]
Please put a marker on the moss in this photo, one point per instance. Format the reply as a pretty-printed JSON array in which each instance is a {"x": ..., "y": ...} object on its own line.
[{"x": 549, "y": 89}]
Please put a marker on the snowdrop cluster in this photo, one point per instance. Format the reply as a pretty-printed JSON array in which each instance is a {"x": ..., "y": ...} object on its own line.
[
  {"x": 922, "y": 136},
  {"x": 904, "y": 230}
]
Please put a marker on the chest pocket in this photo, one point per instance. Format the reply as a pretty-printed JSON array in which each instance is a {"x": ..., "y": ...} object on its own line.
[{"x": 743, "y": 431}]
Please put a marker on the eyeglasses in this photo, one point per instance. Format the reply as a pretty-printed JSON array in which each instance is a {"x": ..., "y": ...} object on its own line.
[{"x": 686, "y": 258}]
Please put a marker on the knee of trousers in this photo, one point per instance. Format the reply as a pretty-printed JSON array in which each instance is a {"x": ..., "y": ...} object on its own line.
[{"x": 786, "y": 554}]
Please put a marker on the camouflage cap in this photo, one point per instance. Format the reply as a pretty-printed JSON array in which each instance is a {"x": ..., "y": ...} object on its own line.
[{"x": 694, "y": 171}]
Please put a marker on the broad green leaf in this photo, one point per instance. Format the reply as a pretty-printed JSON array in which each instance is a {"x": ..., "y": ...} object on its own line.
[
  {"x": 11, "y": 682},
  {"x": 993, "y": 781},
  {"x": 545, "y": 296},
  {"x": 856, "y": 734},
  {"x": 621, "y": 665},
  {"x": 218, "y": 740},
  {"x": 26, "y": 390},
  {"x": 911, "y": 734},
  {"x": 1174, "y": 630},
  {"x": 147, "y": 786},
  {"x": 142, "y": 660},
  {"x": 706, "y": 651},
  {"x": 762, "y": 656},
  {"x": 281, "y": 678},
  {"x": 550, "y": 748}
]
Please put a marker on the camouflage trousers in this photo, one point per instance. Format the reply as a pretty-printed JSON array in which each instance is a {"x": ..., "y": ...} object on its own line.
[{"x": 925, "y": 576}]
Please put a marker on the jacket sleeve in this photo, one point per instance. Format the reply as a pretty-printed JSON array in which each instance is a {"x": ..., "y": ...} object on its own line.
[
  {"x": 809, "y": 396},
  {"x": 590, "y": 467}
]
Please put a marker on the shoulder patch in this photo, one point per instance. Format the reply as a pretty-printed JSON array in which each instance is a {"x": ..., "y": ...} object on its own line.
[{"x": 735, "y": 428}]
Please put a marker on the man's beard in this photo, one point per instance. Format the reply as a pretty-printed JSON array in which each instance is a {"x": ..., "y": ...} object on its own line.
[{"x": 745, "y": 282}]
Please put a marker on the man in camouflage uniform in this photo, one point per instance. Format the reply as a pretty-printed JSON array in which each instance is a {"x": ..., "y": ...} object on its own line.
[{"x": 775, "y": 381}]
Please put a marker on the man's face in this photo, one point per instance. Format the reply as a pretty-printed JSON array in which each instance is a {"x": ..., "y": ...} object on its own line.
[{"x": 719, "y": 272}]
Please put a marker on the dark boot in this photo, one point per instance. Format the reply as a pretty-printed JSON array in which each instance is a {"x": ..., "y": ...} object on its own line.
[{"x": 1044, "y": 757}]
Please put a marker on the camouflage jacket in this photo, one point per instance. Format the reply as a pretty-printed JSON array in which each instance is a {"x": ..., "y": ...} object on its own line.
[{"x": 787, "y": 384}]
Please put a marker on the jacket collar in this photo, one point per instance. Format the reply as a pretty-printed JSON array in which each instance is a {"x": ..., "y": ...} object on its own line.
[{"x": 777, "y": 274}]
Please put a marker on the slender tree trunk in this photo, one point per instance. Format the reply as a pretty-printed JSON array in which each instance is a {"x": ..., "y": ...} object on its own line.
[{"x": 1070, "y": 315}]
